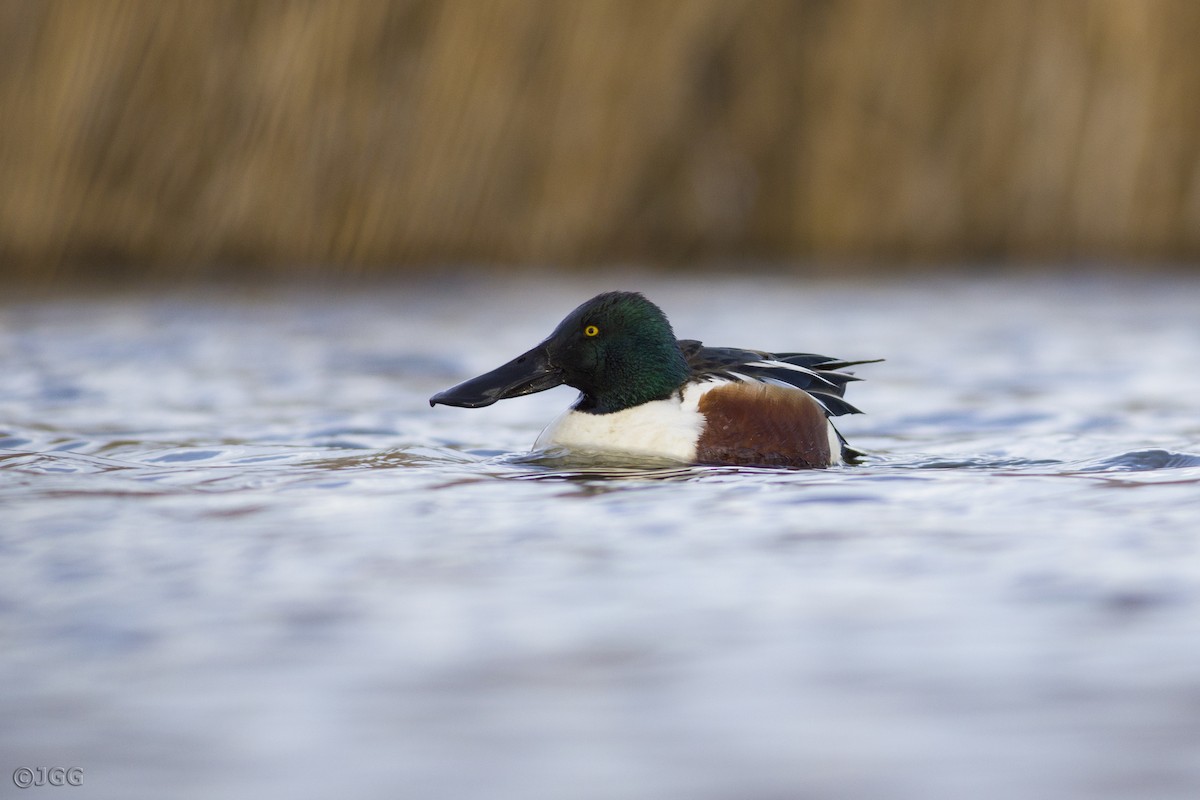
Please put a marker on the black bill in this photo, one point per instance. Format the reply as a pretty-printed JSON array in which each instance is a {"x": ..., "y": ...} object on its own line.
[{"x": 525, "y": 374}]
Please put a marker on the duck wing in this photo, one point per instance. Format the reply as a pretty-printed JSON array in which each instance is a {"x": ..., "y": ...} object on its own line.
[{"x": 821, "y": 376}]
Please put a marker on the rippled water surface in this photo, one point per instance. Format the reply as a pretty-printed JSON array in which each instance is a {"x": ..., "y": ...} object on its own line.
[{"x": 242, "y": 557}]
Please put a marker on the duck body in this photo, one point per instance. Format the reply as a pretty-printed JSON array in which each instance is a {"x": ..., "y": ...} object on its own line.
[
  {"x": 709, "y": 422},
  {"x": 646, "y": 394}
]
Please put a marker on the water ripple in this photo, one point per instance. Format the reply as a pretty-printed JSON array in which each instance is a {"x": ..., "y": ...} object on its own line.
[{"x": 1144, "y": 460}]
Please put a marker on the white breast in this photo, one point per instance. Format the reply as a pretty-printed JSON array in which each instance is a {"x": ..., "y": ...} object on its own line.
[{"x": 664, "y": 428}]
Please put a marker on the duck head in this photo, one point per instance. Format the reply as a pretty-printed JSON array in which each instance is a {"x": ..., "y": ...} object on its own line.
[{"x": 617, "y": 349}]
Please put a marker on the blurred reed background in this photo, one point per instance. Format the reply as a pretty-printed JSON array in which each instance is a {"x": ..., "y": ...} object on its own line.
[{"x": 176, "y": 138}]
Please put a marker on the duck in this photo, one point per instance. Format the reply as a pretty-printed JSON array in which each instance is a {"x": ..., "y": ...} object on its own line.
[{"x": 643, "y": 394}]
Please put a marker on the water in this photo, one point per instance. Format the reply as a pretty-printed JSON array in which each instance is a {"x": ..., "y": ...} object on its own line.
[{"x": 242, "y": 557}]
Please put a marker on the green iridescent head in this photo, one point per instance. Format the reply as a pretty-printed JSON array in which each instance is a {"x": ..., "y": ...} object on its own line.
[{"x": 618, "y": 349}]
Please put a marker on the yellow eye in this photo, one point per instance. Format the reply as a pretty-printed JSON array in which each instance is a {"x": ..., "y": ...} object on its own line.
[{"x": 590, "y": 331}]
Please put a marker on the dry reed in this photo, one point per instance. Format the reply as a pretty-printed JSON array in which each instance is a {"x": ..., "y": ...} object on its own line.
[{"x": 169, "y": 137}]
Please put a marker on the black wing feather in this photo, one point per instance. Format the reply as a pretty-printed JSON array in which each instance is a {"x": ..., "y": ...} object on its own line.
[{"x": 820, "y": 376}]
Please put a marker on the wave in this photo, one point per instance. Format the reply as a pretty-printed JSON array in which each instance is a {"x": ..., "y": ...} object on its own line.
[{"x": 1143, "y": 461}]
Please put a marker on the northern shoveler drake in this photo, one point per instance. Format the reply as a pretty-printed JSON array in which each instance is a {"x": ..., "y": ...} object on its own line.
[{"x": 644, "y": 393}]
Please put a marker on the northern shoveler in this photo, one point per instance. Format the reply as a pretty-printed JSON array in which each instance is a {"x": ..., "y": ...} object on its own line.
[{"x": 645, "y": 393}]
